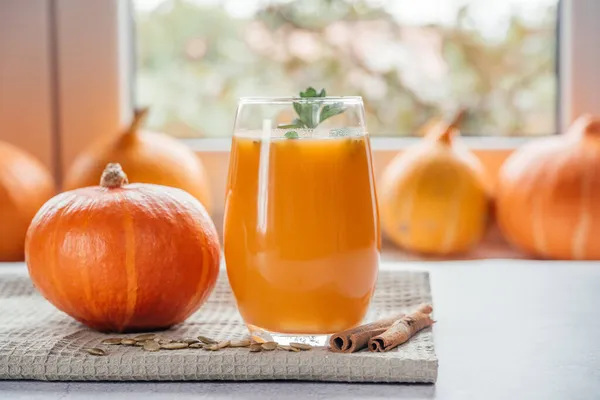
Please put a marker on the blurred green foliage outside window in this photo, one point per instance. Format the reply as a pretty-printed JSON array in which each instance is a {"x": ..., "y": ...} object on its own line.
[{"x": 409, "y": 59}]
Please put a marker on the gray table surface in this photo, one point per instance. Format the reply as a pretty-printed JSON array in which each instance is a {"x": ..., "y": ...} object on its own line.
[{"x": 507, "y": 329}]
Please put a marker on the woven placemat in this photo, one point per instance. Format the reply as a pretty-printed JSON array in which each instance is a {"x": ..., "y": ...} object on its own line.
[{"x": 39, "y": 342}]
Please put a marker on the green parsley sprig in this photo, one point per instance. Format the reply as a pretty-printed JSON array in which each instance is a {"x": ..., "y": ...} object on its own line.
[{"x": 312, "y": 112}]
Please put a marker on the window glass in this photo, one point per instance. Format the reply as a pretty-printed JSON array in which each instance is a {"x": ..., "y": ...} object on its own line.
[{"x": 410, "y": 60}]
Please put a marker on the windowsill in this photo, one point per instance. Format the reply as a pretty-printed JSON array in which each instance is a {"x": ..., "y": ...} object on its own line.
[
  {"x": 492, "y": 246},
  {"x": 383, "y": 143}
]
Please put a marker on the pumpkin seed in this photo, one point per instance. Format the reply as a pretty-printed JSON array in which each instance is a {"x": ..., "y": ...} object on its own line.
[
  {"x": 288, "y": 348},
  {"x": 255, "y": 347},
  {"x": 212, "y": 347},
  {"x": 95, "y": 351},
  {"x": 113, "y": 340},
  {"x": 240, "y": 343},
  {"x": 144, "y": 337},
  {"x": 196, "y": 345},
  {"x": 269, "y": 346},
  {"x": 151, "y": 345},
  {"x": 190, "y": 341},
  {"x": 128, "y": 342},
  {"x": 223, "y": 344},
  {"x": 206, "y": 340},
  {"x": 173, "y": 346},
  {"x": 301, "y": 346},
  {"x": 165, "y": 341}
]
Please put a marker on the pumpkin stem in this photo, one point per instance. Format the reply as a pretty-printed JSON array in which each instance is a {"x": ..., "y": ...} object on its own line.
[
  {"x": 139, "y": 115},
  {"x": 446, "y": 136},
  {"x": 113, "y": 176},
  {"x": 592, "y": 126}
]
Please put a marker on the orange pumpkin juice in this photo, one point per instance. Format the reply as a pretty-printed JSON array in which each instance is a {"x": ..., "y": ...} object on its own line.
[{"x": 301, "y": 232}]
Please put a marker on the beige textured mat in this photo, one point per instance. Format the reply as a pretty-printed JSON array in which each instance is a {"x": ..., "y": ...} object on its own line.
[{"x": 38, "y": 342}]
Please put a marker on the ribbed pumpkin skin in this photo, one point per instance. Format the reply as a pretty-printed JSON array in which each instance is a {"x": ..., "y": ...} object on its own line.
[
  {"x": 549, "y": 195},
  {"x": 147, "y": 157},
  {"x": 136, "y": 258},
  {"x": 25, "y": 184},
  {"x": 435, "y": 199}
]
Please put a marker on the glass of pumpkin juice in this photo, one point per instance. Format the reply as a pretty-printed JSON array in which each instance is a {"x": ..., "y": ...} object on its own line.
[{"x": 301, "y": 226}]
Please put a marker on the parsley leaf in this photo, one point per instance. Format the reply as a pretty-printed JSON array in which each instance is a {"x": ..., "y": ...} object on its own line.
[
  {"x": 311, "y": 112},
  {"x": 310, "y": 92},
  {"x": 330, "y": 110}
]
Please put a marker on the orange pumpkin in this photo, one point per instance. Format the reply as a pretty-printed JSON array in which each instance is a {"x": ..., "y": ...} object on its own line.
[
  {"x": 25, "y": 184},
  {"x": 124, "y": 257},
  {"x": 148, "y": 157},
  {"x": 435, "y": 196},
  {"x": 549, "y": 194}
]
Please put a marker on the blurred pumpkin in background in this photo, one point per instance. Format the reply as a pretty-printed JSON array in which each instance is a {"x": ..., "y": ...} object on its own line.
[
  {"x": 549, "y": 194},
  {"x": 25, "y": 184},
  {"x": 435, "y": 197},
  {"x": 148, "y": 157},
  {"x": 124, "y": 257}
]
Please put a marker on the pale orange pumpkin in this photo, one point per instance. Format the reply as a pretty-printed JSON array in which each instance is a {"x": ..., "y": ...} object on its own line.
[
  {"x": 435, "y": 197},
  {"x": 148, "y": 157},
  {"x": 124, "y": 257},
  {"x": 549, "y": 194},
  {"x": 25, "y": 184}
]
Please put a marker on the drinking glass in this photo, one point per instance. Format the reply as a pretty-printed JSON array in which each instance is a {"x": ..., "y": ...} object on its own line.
[{"x": 301, "y": 226}]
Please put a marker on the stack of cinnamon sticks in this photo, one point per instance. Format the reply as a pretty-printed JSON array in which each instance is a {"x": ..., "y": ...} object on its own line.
[{"x": 383, "y": 335}]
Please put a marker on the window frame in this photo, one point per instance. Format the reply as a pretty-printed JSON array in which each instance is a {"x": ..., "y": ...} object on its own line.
[{"x": 92, "y": 63}]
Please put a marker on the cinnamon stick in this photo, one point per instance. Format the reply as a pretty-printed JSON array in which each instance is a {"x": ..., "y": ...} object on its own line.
[
  {"x": 402, "y": 330},
  {"x": 352, "y": 340}
]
